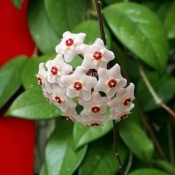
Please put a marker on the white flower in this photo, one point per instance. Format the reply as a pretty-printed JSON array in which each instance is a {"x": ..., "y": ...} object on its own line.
[
  {"x": 42, "y": 79},
  {"x": 92, "y": 120},
  {"x": 96, "y": 105},
  {"x": 123, "y": 99},
  {"x": 56, "y": 68},
  {"x": 110, "y": 80},
  {"x": 70, "y": 45},
  {"x": 60, "y": 99},
  {"x": 96, "y": 55},
  {"x": 79, "y": 84},
  {"x": 119, "y": 115},
  {"x": 70, "y": 114}
]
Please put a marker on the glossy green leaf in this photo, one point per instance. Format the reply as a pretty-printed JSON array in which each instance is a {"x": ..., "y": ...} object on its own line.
[
  {"x": 10, "y": 78},
  {"x": 40, "y": 28},
  {"x": 91, "y": 28},
  {"x": 100, "y": 158},
  {"x": 83, "y": 134},
  {"x": 30, "y": 69},
  {"x": 61, "y": 156},
  {"x": 141, "y": 31},
  {"x": 18, "y": 3},
  {"x": 32, "y": 105},
  {"x": 136, "y": 140},
  {"x": 164, "y": 87},
  {"x": 148, "y": 172},
  {"x": 64, "y": 15},
  {"x": 165, "y": 166},
  {"x": 169, "y": 24}
]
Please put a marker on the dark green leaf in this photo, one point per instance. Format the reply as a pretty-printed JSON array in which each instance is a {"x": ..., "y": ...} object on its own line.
[
  {"x": 141, "y": 31},
  {"x": 61, "y": 156},
  {"x": 101, "y": 160},
  {"x": 148, "y": 172},
  {"x": 10, "y": 78},
  {"x": 165, "y": 166},
  {"x": 30, "y": 69},
  {"x": 64, "y": 15},
  {"x": 168, "y": 21},
  {"x": 83, "y": 134},
  {"x": 164, "y": 87},
  {"x": 32, "y": 105},
  {"x": 91, "y": 28},
  {"x": 41, "y": 30},
  {"x": 18, "y": 3},
  {"x": 136, "y": 140}
]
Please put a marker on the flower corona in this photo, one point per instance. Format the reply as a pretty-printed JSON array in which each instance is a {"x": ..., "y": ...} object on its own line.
[{"x": 90, "y": 94}]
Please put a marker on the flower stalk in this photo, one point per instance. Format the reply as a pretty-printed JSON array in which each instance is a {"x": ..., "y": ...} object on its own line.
[{"x": 102, "y": 33}]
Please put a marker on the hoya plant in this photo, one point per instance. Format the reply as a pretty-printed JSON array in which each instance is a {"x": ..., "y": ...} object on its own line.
[{"x": 101, "y": 82}]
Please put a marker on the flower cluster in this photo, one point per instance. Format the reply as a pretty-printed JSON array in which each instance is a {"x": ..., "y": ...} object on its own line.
[{"x": 91, "y": 94}]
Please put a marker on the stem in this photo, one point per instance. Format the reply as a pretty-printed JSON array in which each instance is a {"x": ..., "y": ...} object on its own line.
[
  {"x": 116, "y": 148},
  {"x": 102, "y": 33},
  {"x": 153, "y": 93},
  {"x": 100, "y": 20}
]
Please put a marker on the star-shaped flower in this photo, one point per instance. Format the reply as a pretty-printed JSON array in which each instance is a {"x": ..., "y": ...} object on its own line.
[
  {"x": 70, "y": 114},
  {"x": 79, "y": 84},
  {"x": 42, "y": 79},
  {"x": 70, "y": 45},
  {"x": 56, "y": 68},
  {"x": 96, "y": 55},
  {"x": 124, "y": 98},
  {"x": 110, "y": 80},
  {"x": 60, "y": 99},
  {"x": 92, "y": 120},
  {"x": 96, "y": 105},
  {"x": 120, "y": 115}
]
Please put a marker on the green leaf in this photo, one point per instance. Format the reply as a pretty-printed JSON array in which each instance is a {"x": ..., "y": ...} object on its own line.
[
  {"x": 61, "y": 156},
  {"x": 64, "y": 15},
  {"x": 40, "y": 28},
  {"x": 30, "y": 69},
  {"x": 32, "y": 105},
  {"x": 43, "y": 170},
  {"x": 10, "y": 78},
  {"x": 148, "y": 172},
  {"x": 136, "y": 140},
  {"x": 91, "y": 28},
  {"x": 100, "y": 158},
  {"x": 168, "y": 21},
  {"x": 18, "y": 3},
  {"x": 83, "y": 134},
  {"x": 164, "y": 87},
  {"x": 165, "y": 166},
  {"x": 141, "y": 31}
]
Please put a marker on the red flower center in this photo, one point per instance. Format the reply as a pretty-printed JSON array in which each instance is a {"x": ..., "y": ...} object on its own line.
[
  {"x": 54, "y": 70},
  {"x": 112, "y": 83},
  {"x": 97, "y": 55},
  {"x": 69, "y": 42},
  {"x": 95, "y": 109},
  {"x": 123, "y": 116},
  {"x": 58, "y": 99},
  {"x": 127, "y": 101},
  {"x": 40, "y": 81},
  {"x": 95, "y": 124},
  {"x": 78, "y": 86}
]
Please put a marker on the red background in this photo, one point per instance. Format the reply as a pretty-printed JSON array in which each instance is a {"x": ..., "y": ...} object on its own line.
[{"x": 16, "y": 135}]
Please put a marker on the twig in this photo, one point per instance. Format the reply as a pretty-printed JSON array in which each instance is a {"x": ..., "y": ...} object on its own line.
[
  {"x": 102, "y": 33},
  {"x": 100, "y": 20},
  {"x": 153, "y": 93},
  {"x": 116, "y": 148}
]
